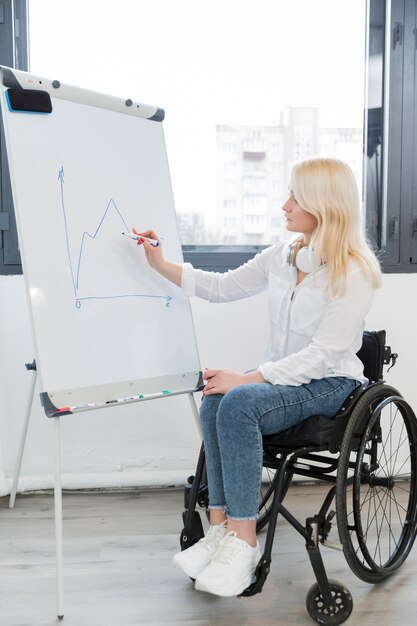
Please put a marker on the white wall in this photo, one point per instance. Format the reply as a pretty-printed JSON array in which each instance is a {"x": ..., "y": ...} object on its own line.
[{"x": 156, "y": 442}]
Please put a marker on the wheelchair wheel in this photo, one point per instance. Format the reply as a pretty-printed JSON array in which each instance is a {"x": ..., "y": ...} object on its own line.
[
  {"x": 338, "y": 612},
  {"x": 376, "y": 487}
]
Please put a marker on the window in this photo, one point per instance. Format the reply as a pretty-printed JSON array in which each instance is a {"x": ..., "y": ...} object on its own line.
[{"x": 224, "y": 112}]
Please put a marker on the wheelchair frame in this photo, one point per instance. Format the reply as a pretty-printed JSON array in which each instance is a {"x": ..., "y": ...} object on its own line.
[{"x": 363, "y": 470}]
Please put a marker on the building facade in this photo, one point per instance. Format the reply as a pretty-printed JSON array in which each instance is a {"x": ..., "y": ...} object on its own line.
[{"x": 253, "y": 171}]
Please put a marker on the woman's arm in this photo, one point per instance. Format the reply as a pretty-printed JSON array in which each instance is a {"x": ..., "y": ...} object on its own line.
[{"x": 247, "y": 280}]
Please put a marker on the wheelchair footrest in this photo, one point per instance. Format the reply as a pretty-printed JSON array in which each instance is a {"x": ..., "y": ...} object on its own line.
[
  {"x": 261, "y": 573},
  {"x": 193, "y": 531}
]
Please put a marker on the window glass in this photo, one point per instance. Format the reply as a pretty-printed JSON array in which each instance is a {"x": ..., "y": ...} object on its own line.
[{"x": 248, "y": 89}]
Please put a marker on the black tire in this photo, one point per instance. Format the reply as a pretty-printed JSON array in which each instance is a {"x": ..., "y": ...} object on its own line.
[
  {"x": 376, "y": 487},
  {"x": 338, "y": 612}
]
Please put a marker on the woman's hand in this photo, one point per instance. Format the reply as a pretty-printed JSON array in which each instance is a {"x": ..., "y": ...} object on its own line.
[
  {"x": 155, "y": 257},
  {"x": 153, "y": 254},
  {"x": 222, "y": 381}
]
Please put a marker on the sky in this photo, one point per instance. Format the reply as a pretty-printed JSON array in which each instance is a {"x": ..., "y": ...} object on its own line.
[{"x": 207, "y": 63}]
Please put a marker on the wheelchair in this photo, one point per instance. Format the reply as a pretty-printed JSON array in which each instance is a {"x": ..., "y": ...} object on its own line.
[{"x": 368, "y": 455}]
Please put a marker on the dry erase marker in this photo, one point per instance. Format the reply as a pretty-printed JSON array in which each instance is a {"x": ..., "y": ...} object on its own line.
[{"x": 153, "y": 242}]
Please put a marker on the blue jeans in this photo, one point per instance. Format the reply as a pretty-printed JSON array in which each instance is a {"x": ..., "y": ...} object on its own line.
[{"x": 233, "y": 425}]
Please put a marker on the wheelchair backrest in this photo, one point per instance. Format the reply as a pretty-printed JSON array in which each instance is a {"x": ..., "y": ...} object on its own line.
[{"x": 372, "y": 354}]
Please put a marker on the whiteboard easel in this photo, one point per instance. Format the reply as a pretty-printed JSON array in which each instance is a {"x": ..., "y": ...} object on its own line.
[{"x": 84, "y": 167}]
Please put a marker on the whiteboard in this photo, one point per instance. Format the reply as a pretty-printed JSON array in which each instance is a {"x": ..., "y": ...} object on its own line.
[{"x": 106, "y": 326}]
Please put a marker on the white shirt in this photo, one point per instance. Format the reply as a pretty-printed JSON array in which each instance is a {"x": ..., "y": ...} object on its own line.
[{"x": 311, "y": 335}]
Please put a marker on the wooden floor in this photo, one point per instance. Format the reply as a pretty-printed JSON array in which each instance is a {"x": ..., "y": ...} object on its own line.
[{"x": 117, "y": 568}]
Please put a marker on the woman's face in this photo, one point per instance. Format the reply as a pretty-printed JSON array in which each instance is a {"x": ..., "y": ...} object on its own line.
[{"x": 297, "y": 220}]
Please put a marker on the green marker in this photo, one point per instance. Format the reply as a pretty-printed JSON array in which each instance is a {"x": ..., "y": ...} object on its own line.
[{"x": 165, "y": 391}]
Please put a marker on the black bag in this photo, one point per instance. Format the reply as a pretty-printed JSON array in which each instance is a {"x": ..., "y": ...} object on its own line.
[{"x": 372, "y": 354}]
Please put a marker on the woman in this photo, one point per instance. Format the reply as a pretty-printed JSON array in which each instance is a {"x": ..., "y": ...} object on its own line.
[{"x": 320, "y": 287}]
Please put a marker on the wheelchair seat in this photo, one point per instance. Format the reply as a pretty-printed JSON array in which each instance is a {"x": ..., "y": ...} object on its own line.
[{"x": 317, "y": 431}]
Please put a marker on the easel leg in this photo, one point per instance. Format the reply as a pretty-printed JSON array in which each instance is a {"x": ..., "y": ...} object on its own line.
[
  {"x": 196, "y": 414},
  {"x": 22, "y": 441},
  {"x": 58, "y": 522}
]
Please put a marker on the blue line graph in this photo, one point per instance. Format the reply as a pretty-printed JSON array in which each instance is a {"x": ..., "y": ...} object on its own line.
[{"x": 75, "y": 274}]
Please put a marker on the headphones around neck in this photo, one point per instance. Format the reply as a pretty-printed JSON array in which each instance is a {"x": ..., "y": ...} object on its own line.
[{"x": 300, "y": 257}]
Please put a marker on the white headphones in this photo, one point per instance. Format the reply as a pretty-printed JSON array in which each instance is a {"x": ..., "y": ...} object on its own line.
[{"x": 299, "y": 256}]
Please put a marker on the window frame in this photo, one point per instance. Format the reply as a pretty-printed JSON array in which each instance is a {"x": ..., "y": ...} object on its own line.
[
  {"x": 219, "y": 258},
  {"x": 392, "y": 225},
  {"x": 14, "y": 52}
]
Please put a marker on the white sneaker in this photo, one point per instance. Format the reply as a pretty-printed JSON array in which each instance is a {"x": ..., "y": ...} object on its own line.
[
  {"x": 194, "y": 559},
  {"x": 232, "y": 567}
]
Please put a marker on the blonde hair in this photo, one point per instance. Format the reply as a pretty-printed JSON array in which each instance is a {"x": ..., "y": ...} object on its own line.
[{"x": 327, "y": 189}]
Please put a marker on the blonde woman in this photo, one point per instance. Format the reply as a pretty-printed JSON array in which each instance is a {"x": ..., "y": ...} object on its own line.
[{"x": 320, "y": 287}]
